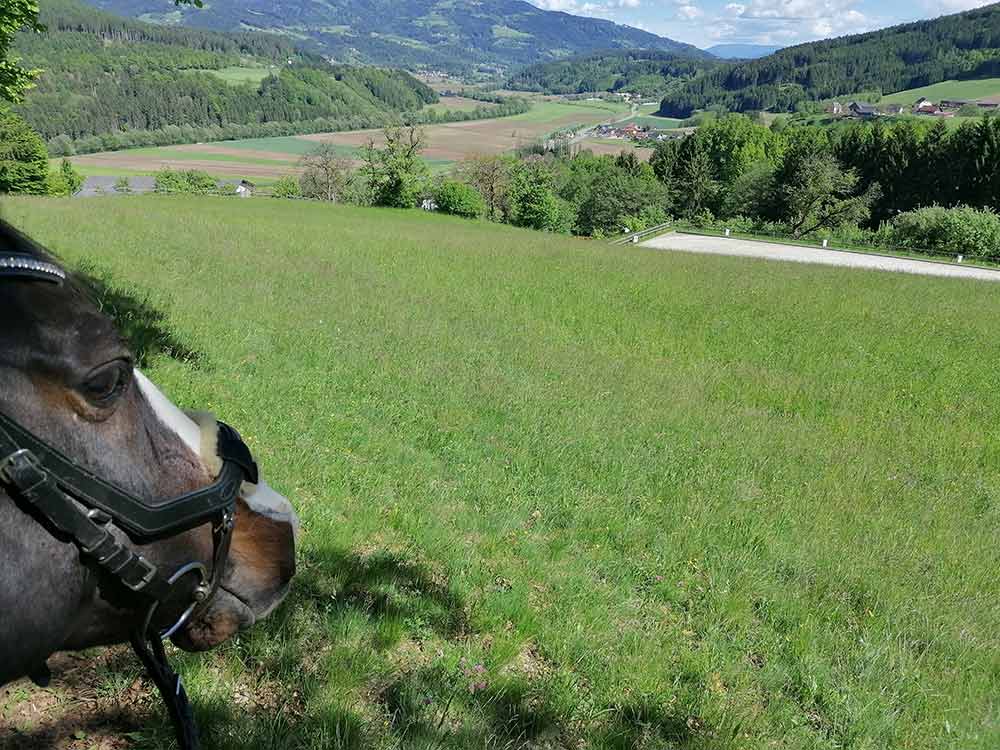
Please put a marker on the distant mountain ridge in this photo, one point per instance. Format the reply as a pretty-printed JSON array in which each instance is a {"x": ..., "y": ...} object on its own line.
[
  {"x": 441, "y": 34},
  {"x": 742, "y": 51},
  {"x": 962, "y": 45}
]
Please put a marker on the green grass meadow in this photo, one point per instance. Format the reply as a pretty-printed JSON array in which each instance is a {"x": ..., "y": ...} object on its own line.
[
  {"x": 238, "y": 75},
  {"x": 652, "y": 121},
  {"x": 976, "y": 88},
  {"x": 557, "y": 494}
]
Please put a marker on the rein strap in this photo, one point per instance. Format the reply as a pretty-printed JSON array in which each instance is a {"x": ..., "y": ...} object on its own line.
[{"x": 88, "y": 530}]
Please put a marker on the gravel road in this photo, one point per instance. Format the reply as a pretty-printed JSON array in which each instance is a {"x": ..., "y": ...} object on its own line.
[{"x": 696, "y": 243}]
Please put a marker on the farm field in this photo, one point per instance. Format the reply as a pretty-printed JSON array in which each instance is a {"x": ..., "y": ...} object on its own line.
[
  {"x": 972, "y": 89},
  {"x": 652, "y": 121},
  {"x": 456, "y": 104},
  {"x": 239, "y": 75},
  {"x": 614, "y": 146},
  {"x": 264, "y": 158},
  {"x": 557, "y": 494}
]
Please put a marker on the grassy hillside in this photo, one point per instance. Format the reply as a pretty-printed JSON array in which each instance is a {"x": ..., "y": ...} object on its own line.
[
  {"x": 972, "y": 89},
  {"x": 120, "y": 83},
  {"x": 439, "y": 34},
  {"x": 964, "y": 45},
  {"x": 665, "y": 501}
]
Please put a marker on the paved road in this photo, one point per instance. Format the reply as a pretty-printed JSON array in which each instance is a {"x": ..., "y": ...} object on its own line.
[{"x": 696, "y": 243}]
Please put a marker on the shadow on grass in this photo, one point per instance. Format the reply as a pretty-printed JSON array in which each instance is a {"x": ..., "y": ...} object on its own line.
[
  {"x": 144, "y": 327},
  {"x": 281, "y": 686}
]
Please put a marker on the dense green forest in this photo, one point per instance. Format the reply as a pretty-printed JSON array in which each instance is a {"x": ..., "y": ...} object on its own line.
[
  {"x": 105, "y": 75},
  {"x": 964, "y": 45},
  {"x": 460, "y": 37},
  {"x": 645, "y": 72}
]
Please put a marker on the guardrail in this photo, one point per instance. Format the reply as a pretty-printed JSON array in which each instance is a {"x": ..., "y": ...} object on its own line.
[{"x": 632, "y": 237}]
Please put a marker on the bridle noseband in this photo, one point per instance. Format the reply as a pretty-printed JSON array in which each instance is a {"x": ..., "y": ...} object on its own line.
[{"x": 74, "y": 503}]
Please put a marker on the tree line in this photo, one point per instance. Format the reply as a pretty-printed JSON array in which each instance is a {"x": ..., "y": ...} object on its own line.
[
  {"x": 864, "y": 185},
  {"x": 965, "y": 45}
]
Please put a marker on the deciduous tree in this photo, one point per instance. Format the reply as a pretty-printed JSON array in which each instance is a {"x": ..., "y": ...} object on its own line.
[
  {"x": 24, "y": 162},
  {"x": 820, "y": 194},
  {"x": 326, "y": 174}
]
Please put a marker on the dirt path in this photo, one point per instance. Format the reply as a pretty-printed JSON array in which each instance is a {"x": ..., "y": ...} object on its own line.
[{"x": 696, "y": 243}]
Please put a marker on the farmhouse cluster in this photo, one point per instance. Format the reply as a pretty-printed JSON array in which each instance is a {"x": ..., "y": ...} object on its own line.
[
  {"x": 922, "y": 106},
  {"x": 638, "y": 133}
]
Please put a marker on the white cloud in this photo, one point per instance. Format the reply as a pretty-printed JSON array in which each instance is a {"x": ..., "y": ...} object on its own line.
[
  {"x": 943, "y": 7},
  {"x": 793, "y": 21},
  {"x": 566, "y": 5},
  {"x": 689, "y": 12}
]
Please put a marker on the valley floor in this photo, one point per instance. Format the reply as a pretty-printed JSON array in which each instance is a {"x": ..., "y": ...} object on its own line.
[{"x": 266, "y": 159}]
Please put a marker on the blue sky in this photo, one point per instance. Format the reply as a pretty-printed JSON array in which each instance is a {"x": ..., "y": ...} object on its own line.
[{"x": 779, "y": 22}]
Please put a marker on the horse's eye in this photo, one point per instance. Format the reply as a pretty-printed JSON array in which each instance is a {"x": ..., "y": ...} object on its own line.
[{"x": 107, "y": 383}]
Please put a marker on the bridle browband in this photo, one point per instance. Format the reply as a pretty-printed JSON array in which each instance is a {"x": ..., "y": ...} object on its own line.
[{"x": 74, "y": 503}]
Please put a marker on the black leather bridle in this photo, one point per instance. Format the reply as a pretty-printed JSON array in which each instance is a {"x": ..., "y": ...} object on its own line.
[{"x": 75, "y": 504}]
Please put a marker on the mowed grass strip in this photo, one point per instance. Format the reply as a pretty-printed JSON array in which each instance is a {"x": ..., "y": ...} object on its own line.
[{"x": 558, "y": 494}]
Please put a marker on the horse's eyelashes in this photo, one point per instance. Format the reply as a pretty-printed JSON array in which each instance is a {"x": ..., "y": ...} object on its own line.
[{"x": 107, "y": 383}]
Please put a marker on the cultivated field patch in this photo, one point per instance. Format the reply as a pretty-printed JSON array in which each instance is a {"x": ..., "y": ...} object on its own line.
[{"x": 274, "y": 157}]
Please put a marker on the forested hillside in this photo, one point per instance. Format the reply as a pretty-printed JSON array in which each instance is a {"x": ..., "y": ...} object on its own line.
[
  {"x": 742, "y": 51},
  {"x": 441, "y": 34},
  {"x": 902, "y": 57},
  {"x": 646, "y": 72},
  {"x": 119, "y": 79}
]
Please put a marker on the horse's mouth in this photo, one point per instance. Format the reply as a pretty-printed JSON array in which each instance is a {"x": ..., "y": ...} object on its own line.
[{"x": 225, "y": 617}]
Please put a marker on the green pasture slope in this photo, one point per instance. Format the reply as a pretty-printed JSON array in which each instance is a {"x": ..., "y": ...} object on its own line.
[
  {"x": 664, "y": 500},
  {"x": 972, "y": 89}
]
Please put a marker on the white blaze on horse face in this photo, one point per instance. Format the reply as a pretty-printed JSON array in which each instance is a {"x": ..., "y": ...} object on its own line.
[
  {"x": 185, "y": 427},
  {"x": 260, "y": 498},
  {"x": 264, "y": 501}
]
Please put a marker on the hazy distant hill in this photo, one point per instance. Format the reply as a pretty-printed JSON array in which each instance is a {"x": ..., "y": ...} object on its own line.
[
  {"x": 411, "y": 33},
  {"x": 741, "y": 51},
  {"x": 963, "y": 45}
]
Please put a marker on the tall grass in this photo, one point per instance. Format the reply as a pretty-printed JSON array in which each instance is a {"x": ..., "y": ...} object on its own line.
[{"x": 557, "y": 494}]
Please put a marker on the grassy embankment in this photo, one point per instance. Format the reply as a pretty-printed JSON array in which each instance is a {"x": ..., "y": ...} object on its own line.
[{"x": 664, "y": 500}]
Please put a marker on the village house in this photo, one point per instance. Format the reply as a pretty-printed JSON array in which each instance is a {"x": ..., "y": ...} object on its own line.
[
  {"x": 924, "y": 106},
  {"x": 893, "y": 109},
  {"x": 834, "y": 108},
  {"x": 863, "y": 110},
  {"x": 245, "y": 189}
]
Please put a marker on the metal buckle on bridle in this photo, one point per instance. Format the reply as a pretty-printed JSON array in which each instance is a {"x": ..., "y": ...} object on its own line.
[
  {"x": 20, "y": 459},
  {"x": 199, "y": 595}
]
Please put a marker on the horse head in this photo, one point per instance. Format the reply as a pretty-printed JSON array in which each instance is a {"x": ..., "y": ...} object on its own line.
[{"x": 67, "y": 377}]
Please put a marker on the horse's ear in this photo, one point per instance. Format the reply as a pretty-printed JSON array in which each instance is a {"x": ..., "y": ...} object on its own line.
[
  {"x": 23, "y": 259},
  {"x": 14, "y": 241}
]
